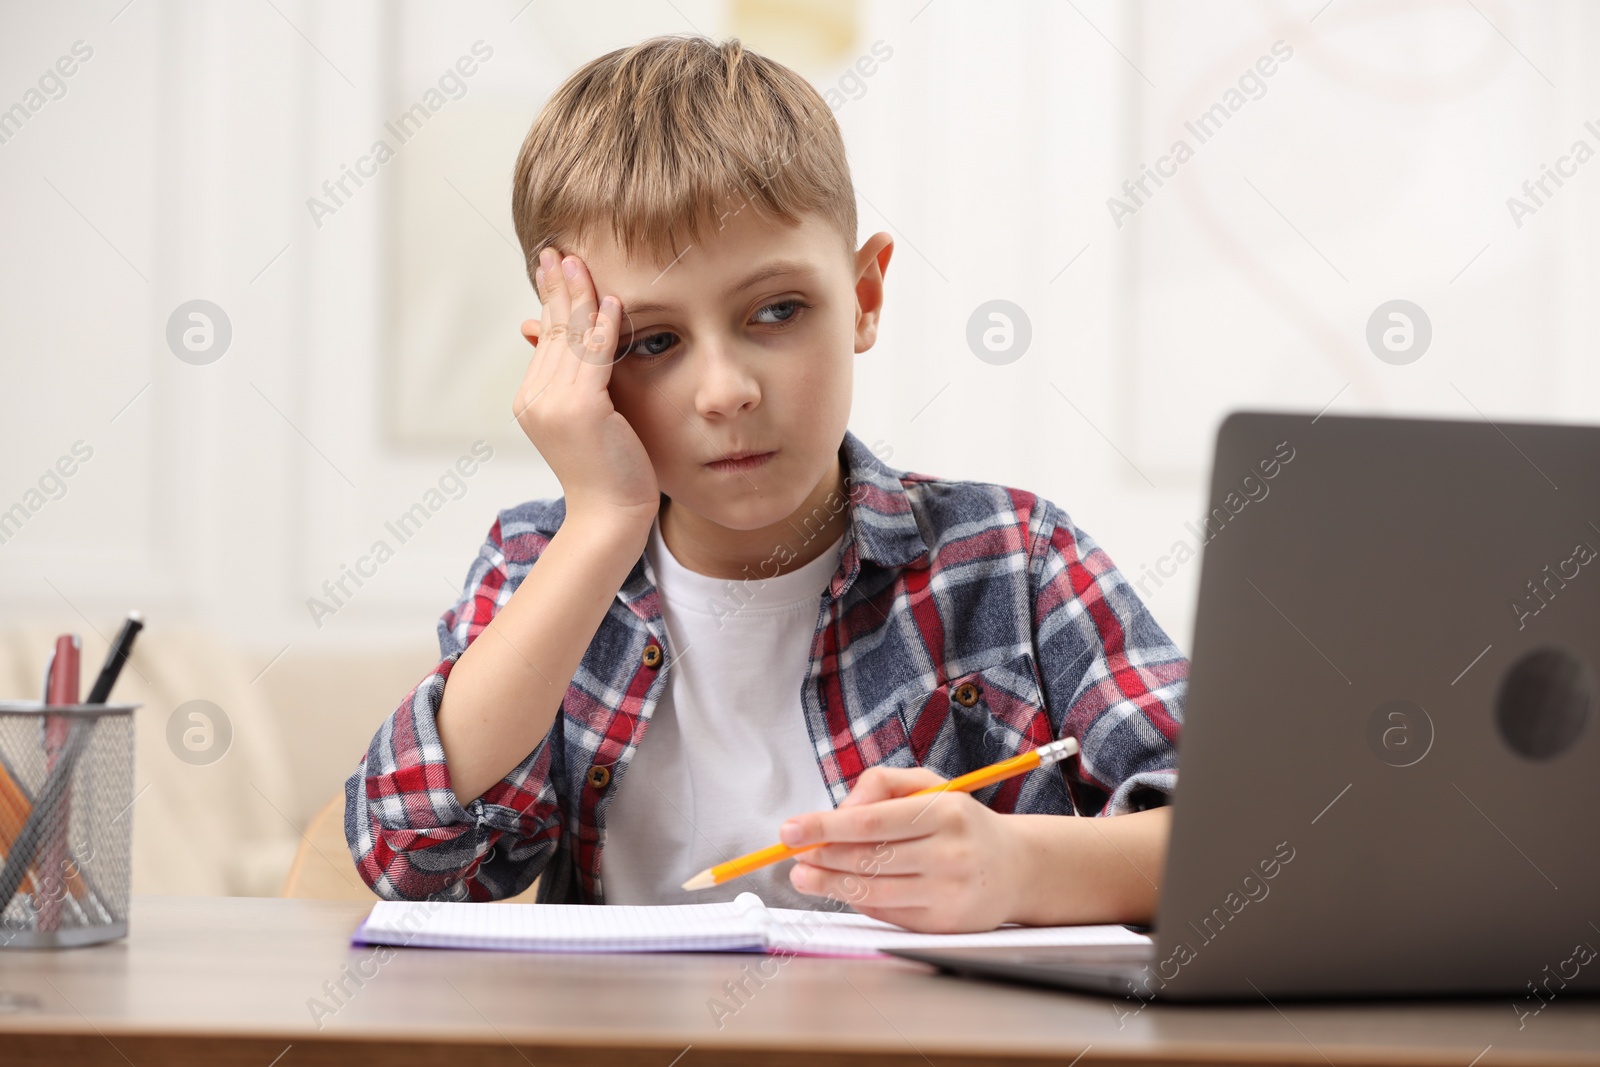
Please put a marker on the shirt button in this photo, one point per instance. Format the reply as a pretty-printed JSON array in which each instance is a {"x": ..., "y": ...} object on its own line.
[
  {"x": 966, "y": 694},
  {"x": 599, "y": 777},
  {"x": 652, "y": 655}
]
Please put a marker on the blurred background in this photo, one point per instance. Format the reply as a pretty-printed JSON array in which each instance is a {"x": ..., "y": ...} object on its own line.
[{"x": 262, "y": 295}]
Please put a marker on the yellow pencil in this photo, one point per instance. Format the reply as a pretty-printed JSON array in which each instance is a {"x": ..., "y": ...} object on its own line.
[{"x": 1043, "y": 756}]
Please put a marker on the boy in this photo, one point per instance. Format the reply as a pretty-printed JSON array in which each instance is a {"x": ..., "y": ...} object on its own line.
[{"x": 737, "y": 623}]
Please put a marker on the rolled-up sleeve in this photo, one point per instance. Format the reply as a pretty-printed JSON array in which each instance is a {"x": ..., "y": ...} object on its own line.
[
  {"x": 410, "y": 837},
  {"x": 1112, "y": 677}
]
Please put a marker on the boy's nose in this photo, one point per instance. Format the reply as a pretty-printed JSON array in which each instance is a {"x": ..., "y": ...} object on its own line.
[{"x": 726, "y": 386}]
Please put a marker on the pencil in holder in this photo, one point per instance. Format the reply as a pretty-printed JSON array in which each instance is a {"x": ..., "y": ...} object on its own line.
[{"x": 66, "y": 840}]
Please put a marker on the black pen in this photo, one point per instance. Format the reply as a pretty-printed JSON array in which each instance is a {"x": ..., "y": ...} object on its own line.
[{"x": 121, "y": 648}]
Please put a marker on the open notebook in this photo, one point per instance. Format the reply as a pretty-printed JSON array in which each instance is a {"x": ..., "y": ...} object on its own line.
[{"x": 741, "y": 924}]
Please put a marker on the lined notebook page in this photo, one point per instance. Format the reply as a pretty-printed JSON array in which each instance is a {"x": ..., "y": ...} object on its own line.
[
  {"x": 743, "y": 923},
  {"x": 720, "y": 927},
  {"x": 825, "y": 933}
]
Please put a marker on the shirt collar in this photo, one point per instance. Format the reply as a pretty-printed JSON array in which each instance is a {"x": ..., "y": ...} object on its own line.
[{"x": 882, "y": 523}]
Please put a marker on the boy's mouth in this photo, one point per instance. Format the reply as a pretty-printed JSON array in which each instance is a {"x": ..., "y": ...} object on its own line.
[{"x": 740, "y": 461}]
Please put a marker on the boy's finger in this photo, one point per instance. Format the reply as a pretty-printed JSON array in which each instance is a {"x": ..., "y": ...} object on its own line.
[
  {"x": 889, "y": 891},
  {"x": 592, "y": 336},
  {"x": 580, "y": 308},
  {"x": 883, "y": 783},
  {"x": 596, "y": 347},
  {"x": 885, "y": 820},
  {"x": 536, "y": 376},
  {"x": 868, "y": 860},
  {"x": 554, "y": 295},
  {"x": 541, "y": 289}
]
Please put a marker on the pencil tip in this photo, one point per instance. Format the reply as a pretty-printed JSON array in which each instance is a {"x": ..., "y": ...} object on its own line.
[{"x": 703, "y": 880}]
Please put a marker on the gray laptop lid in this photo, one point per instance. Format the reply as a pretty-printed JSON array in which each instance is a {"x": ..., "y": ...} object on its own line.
[{"x": 1389, "y": 761}]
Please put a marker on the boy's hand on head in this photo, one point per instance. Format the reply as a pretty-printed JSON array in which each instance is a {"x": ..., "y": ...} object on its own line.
[
  {"x": 564, "y": 403},
  {"x": 942, "y": 863}
]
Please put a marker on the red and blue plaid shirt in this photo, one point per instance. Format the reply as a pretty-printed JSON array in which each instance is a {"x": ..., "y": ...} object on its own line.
[{"x": 966, "y": 622}]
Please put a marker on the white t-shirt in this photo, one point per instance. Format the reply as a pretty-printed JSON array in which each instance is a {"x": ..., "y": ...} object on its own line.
[{"x": 726, "y": 756}]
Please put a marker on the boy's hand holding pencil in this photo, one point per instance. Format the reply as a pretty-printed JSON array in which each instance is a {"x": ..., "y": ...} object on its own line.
[
  {"x": 937, "y": 863},
  {"x": 910, "y": 847}
]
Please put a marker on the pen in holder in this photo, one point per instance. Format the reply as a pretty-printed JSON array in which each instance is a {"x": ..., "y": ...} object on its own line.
[{"x": 65, "y": 823}]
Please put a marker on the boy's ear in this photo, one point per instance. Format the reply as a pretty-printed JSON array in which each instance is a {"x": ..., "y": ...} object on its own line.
[
  {"x": 872, "y": 262},
  {"x": 530, "y": 330}
]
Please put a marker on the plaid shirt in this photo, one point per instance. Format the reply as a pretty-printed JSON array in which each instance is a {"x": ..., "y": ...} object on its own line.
[{"x": 966, "y": 622}]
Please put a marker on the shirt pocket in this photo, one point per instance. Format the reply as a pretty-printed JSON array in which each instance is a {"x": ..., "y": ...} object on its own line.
[{"x": 981, "y": 718}]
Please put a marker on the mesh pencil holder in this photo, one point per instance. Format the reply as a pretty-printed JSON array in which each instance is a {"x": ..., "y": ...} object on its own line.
[{"x": 66, "y": 794}]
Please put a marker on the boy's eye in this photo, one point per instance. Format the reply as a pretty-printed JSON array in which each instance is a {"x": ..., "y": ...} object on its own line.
[
  {"x": 653, "y": 345},
  {"x": 793, "y": 306},
  {"x": 649, "y": 346}
]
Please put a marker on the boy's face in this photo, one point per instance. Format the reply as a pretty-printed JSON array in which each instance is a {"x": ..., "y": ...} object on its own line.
[{"x": 715, "y": 362}]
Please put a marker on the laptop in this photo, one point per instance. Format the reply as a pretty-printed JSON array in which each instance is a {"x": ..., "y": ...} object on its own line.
[{"x": 1389, "y": 765}]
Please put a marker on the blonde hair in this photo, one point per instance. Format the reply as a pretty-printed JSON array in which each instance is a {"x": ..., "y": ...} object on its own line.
[{"x": 668, "y": 137}]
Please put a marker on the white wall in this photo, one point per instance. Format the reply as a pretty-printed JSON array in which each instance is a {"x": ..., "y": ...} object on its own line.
[{"x": 1376, "y": 165}]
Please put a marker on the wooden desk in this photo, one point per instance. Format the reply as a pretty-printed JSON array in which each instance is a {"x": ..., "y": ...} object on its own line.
[{"x": 222, "y": 981}]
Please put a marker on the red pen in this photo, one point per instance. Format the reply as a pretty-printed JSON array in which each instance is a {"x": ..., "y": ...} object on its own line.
[
  {"x": 63, "y": 688},
  {"x": 50, "y": 874}
]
